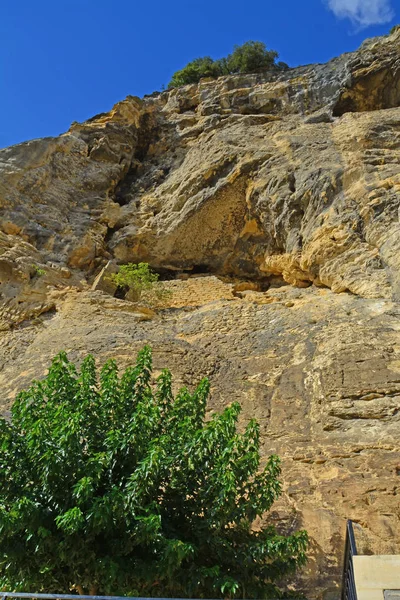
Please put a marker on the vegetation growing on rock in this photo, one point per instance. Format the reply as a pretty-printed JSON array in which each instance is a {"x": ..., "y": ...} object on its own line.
[
  {"x": 38, "y": 271},
  {"x": 115, "y": 486},
  {"x": 250, "y": 57},
  {"x": 141, "y": 280}
]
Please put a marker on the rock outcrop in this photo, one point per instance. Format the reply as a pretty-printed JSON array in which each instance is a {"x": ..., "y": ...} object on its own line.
[{"x": 283, "y": 191}]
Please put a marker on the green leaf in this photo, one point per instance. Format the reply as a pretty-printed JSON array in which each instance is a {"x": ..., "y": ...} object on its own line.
[
  {"x": 71, "y": 521},
  {"x": 117, "y": 483}
]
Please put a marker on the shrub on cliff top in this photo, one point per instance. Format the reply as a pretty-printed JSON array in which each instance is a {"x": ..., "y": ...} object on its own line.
[
  {"x": 195, "y": 70},
  {"x": 250, "y": 57},
  {"x": 112, "y": 485}
]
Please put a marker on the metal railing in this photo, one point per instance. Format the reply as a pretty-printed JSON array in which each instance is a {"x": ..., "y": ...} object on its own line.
[{"x": 349, "y": 591}]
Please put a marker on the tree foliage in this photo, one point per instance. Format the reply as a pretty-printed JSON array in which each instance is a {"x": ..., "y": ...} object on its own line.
[
  {"x": 113, "y": 485},
  {"x": 196, "y": 70},
  {"x": 142, "y": 280},
  {"x": 250, "y": 57}
]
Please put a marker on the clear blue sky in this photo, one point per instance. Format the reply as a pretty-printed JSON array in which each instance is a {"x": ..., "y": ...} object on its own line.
[{"x": 66, "y": 60}]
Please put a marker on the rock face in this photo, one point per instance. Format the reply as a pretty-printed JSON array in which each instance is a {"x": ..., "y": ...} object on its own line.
[{"x": 283, "y": 191}]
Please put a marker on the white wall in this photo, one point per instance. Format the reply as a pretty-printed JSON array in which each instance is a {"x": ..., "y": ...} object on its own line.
[{"x": 375, "y": 574}]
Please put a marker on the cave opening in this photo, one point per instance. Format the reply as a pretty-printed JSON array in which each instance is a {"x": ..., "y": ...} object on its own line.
[
  {"x": 378, "y": 91},
  {"x": 200, "y": 269}
]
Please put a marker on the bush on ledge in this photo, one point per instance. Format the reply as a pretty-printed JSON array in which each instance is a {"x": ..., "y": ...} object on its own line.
[{"x": 250, "y": 57}]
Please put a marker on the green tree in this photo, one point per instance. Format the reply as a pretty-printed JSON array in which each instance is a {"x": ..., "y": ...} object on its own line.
[
  {"x": 142, "y": 280},
  {"x": 250, "y": 57},
  {"x": 112, "y": 485},
  {"x": 196, "y": 70}
]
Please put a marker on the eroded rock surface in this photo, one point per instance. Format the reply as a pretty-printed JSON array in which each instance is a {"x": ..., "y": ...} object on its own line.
[{"x": 282, "y": 191}]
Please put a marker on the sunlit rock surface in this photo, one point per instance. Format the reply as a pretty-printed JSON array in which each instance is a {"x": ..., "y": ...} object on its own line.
[{"x": 271, "y": 203}]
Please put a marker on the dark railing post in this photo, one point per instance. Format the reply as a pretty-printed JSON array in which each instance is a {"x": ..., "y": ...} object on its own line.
[{"x": 349, "y": 591}]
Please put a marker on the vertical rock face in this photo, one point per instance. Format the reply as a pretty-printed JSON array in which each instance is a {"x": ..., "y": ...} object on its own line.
[{"x": 283, "y": 190}]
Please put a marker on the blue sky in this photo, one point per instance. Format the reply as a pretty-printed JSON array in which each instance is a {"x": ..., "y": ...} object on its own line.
[{"x": 66, "y": 60}]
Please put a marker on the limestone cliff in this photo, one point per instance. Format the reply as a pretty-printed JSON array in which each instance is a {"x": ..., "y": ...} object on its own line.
[{"x": 282, "y": 191}]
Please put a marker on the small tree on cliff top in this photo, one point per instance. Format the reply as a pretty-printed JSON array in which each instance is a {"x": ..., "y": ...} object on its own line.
[
  {"x": 115, "y": 486},
  {"x": 250, "y": 57}
]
